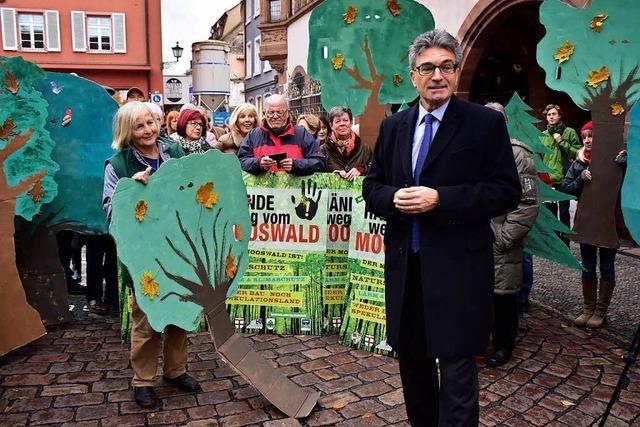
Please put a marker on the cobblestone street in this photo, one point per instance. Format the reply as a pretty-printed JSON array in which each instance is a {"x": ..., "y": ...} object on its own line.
[{"x": 79, "y": 374}]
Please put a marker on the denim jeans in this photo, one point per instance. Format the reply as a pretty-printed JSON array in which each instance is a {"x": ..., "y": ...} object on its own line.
[{"x": 589, "y": 255}]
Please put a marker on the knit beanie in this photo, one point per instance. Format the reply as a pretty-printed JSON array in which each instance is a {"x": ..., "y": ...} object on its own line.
[{"x": 587, "y": 126}]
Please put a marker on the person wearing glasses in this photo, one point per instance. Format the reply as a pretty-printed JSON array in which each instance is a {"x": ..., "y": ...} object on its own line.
[
  {"x": 279, "y": 145},
  {"x": 191, "y": 132},
  {"x": 441, "y": 170}
]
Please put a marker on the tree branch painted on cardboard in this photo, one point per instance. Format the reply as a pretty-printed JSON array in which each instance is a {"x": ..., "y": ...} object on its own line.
[
  {"x": 630, "y": 199},
  {"x": 593, "y": 54},
  {"x": 26, "y": 183},
  {"x": 184, "y": 237},
  {"x": 359, "y": 51},
  {"x": 542, "y": 240}
]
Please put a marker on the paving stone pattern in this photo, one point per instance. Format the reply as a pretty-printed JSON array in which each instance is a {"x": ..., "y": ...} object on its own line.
[{"x": 79, "y": 374}]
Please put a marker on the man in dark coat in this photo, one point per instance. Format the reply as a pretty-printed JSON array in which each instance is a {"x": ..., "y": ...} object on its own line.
[{"x": 441, "y": 170}]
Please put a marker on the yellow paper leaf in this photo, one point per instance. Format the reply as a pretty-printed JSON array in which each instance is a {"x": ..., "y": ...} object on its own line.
[
  {"x": 597, "y": 22},
  {"x": 141, "y": 210},
  {"x": 339, "y": 405},
  {"x": 367, "y": 415},
  {"x": 350, "y": 15},
  {"x": 205, "y": 195},
  {"x": 36, "y": 192},
  {"x": 616, "y": 109},
  {"x": 597, "y": 77},
  {"x": 393, "y": 7},
  {"x": 150, "y": 286},
  {"x": 7, "y": 128},
  {"x": 11, "y": 82},
  {"x": 337, "y": 61},
  {"x": 564, "y": 52},
  {"x": 567, "y": 403},
  {"x": 231, "y": 267},
  {"x": 397, "y": 79}
]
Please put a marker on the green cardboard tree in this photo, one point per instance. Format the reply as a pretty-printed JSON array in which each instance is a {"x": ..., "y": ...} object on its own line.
[
  {"x": 542, "y": 240},
  {"x": 358, "y": 50},
  {"x": 184, "y": 239},
  {"x": 26, "y": 183},
  {"x": 593, "y": 54}
]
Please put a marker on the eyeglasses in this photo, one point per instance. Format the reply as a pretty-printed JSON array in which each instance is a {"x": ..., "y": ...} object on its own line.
[
  {"x": 427, "y": 69},
  {"x": 196, "y": 124},
  {"x": 275, "y": 113}
]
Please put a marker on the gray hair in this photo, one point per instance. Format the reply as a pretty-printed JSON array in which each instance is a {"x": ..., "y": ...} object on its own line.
[
  {"x": 275, "y": 98},
  {"x": 187, "y": 106},
  {"x": 496, "y": 106},
  {"x": 434, "y": 38},
  {"x": 157, "y": 111},
  {"x": 338, "y": 111}
]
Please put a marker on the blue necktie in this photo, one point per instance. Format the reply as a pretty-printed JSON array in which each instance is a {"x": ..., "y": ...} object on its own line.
[{"x": 422, "y": 155}]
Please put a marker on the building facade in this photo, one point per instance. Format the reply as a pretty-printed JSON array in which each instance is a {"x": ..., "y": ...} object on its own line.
[
  {"x": 116, "y": 44},
  {"x": 499, "y": 57},
  {"x": 259, "y": 76}
]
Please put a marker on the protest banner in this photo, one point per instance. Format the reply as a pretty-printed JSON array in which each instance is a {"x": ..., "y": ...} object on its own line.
[
  {"x": 281, "y": 292},
  {"x": 364, "y": 321}
]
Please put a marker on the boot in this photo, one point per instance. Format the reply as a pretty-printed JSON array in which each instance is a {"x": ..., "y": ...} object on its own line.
[
  {"x": 589, "y": 294},
  {"x": 604, "y": 298}
]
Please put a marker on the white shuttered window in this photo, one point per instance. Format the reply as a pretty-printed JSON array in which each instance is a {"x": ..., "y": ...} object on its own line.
[
  {"x": 53, "y": 30},
  {"x": 31, "y": 30},
  {"x": 79, "y": 31},
  {"x": 9, "y": 39}
]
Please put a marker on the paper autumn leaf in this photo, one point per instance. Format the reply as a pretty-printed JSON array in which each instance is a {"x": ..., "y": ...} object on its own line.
[
  {"x": 337, "y": 61},
  {"x": 397, "y": 79},
  {"x": 597, "y": 77},
  {"x": 564, "y": 51},
  {"x": 616, "y": 109},
  {"x": 205, "y": 195},
  {"x": 231, "y": 268},
  {"x": 393, "y": 7},
  {"x": 350, "y": 15},
  {"x": 36, "y": 192},
  {"x": 11, "y": 82},
  {"x": 6, "y": 130},
  {"x": 150, "y": 287},
  {"x": 237, "y": 232},
  {"x": 141, "y": 210},
  {"x": 597, "y": 22}
]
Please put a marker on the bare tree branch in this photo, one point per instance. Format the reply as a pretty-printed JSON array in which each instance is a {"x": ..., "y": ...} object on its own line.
[
  {"x": 180, "y": 254},
  {"x": 372, "y": 68},
  {"x": 355, "y": 74},
  {"x": 26, "y": 184},
  {"x": 16, "y": 143},
  {"x": 200, "y": 269},
  {"x": 190, "y": 285}
]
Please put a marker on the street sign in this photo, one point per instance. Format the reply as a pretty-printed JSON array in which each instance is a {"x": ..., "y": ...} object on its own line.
[{"x": 156, "y": 98}]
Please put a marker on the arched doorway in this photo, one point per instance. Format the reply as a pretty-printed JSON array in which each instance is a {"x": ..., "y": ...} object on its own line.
[{"x": 500, "y": 39}]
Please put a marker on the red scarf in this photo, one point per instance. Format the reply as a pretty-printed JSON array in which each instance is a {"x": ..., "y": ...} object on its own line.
[{"x": 348, "y": 147}]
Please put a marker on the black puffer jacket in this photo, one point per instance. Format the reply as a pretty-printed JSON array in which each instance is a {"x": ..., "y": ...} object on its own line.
[{"x": 575, "y": 178}]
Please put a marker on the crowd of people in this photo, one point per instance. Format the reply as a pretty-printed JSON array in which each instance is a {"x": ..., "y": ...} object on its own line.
[{"x": 459, "y": 197}]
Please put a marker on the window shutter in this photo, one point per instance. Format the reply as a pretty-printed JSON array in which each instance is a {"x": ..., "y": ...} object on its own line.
[
  {"x": 53, "y": 30},
  {"x": 9, "y": 38},
  {"x": 79, "y": 31},
  {"x": 119, "y": 33}
]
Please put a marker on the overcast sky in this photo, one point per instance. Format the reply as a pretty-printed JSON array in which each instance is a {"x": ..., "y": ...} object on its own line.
[{"x": 188, "y": 21}]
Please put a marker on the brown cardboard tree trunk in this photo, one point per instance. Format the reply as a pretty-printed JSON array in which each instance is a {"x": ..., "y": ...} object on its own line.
[
  {"x": 595, "y": 218},
  {"x": 371, "y": 119},
  {"x": 20, "y": 322}
]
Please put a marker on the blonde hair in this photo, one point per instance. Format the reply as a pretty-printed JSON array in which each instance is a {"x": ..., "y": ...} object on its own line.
[
  {"x": 233, "y": 121},
  {"x": 312, "y": 120},
  {"x": 124, "y": 121}
]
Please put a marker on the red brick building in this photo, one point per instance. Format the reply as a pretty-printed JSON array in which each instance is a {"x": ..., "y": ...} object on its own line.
[{"x": 116, "y": 43}]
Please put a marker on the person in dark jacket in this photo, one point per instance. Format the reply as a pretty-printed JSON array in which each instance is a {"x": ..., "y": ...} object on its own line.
[
  {"x": 294, "y": 150},
  {"x": 596, "y": 298},
  {"x": 139, "y": 154},
  {"x": 510, "y": 231},
  {"x": 441, "y": 170},
  {"x": 345, "y": 152}
]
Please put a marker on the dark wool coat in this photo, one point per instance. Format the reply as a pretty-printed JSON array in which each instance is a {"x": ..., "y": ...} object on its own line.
[{"x": 471, "y": 165}]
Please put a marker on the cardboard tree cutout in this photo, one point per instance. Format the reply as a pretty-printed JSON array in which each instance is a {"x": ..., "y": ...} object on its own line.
[
  {"x": 184, "y": 239},
  {"x": 593, "y": 54},
  {"x": 80, "y": 149},
  {"x": 630, "y": 199},
  {"x": 358, "y": 49},
  {"x": 542, "y": 239},
  {"x": 26, "y": 183}
]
